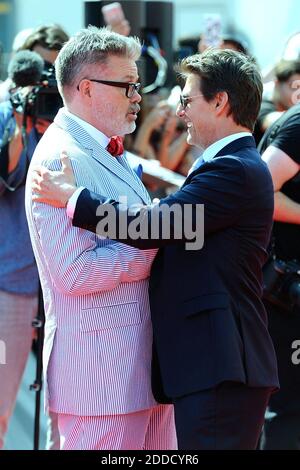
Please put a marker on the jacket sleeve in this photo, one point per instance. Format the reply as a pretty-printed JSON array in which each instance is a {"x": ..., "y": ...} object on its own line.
[
  {"x": 209, "y": 202},
  {"x": 77, "y": 260}
]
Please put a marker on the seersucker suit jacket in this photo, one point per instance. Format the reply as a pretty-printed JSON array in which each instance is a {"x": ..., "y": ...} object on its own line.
[{"x": 98, "y": 334}]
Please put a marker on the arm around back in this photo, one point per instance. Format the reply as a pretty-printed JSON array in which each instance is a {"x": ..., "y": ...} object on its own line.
[{"x": 78, "y": 262}]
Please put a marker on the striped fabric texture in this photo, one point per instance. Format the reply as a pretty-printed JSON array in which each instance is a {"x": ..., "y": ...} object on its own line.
[
  {"x": 152, "y": 429},
  {"x": 98, "y": 334}
]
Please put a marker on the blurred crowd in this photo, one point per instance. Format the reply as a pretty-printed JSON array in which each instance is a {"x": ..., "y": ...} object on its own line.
[{"x": 160, "y": 135}]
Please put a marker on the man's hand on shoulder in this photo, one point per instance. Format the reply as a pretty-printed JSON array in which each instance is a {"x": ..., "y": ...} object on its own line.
[{"x": 54, "y": 187}]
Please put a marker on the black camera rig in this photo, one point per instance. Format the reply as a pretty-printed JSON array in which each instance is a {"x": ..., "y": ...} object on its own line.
[
  {"x": 282, "y": 283},
  {"x": 43, "y": 101}
]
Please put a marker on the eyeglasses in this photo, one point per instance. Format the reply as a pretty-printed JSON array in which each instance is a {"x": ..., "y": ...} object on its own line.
[
  {"x": 131, "y": 88},
  {"x": 185, "y": 100}
]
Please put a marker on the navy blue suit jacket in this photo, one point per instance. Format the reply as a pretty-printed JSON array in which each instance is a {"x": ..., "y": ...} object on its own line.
[{"x": 209, "y": 322}]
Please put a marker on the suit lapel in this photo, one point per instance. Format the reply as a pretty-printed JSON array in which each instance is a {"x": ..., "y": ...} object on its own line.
[
  {"x": 138, "y": 186},
  {"x": 229, "y": 149},
  {"x": 236, "y": 146},
  {"x": 119, "y": 166}
]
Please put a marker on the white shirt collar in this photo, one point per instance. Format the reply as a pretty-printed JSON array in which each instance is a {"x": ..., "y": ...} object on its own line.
[
  {"x": 215, "y": 148},
  {"x": 101, "y": 138}
]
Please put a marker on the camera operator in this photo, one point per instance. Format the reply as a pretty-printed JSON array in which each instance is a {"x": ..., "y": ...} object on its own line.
[
  {"x": 23, "y": 120},
  {"x": 280, "y": 149}
]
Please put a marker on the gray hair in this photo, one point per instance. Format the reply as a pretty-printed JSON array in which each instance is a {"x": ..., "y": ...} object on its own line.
[{"x": 91, "y": 46}]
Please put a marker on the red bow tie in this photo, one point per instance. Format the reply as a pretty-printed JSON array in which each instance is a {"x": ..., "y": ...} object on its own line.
[{"x": 115, "y": 146}]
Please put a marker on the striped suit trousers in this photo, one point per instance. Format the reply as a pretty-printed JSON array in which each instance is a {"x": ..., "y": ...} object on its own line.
[{"x": 151, "y": 429}]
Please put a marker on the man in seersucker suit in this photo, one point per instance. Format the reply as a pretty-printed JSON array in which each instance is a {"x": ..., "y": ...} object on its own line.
[{"x": 98, "y": 334}]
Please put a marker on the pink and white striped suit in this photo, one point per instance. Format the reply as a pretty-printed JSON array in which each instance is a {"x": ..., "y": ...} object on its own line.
[{"x": 98, "y": 334}]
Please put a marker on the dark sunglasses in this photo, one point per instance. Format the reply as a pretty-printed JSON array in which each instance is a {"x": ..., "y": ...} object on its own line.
[
  {"x": 185, "y": 100},
  {"x": 131, "y": 88}
]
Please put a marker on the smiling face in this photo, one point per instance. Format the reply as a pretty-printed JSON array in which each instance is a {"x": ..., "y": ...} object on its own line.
[
  {"x": 198, "y": 115},
  {"x": 110, "y": 109}
]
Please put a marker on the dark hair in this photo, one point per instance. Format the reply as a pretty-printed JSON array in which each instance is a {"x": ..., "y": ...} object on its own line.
[
  {"x": 238, "y": 39},
  {"x": 228, "y": 43},
  {"x": 285, "y": 69},
  {"x": 50, "y": 37},
  {"x": 233, "y": 72},
  {"x": 190, "y": 42}
]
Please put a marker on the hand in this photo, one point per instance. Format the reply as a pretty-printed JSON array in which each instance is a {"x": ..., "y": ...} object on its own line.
[
  {"x": 169, "y": 132},
  {"x": 157, "y": 116},
  {"x": 122, "y": 27},
  {"x": 54, "y": 187}
]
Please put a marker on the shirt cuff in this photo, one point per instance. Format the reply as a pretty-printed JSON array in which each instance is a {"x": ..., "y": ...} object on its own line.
[{"x": 71, "y": 206}]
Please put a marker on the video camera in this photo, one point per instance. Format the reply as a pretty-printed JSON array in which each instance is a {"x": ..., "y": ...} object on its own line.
[
  {"x": 282, "y": 283},
  {"x": 34, "y": 95},
  {"x": 43, "y": 101},
  {"x": 27, "y": 68}
]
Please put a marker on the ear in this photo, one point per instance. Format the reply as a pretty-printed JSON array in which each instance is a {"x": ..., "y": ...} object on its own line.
[
  {"x": 85, "y": 88},
  {"x": 221, "y": 103}
]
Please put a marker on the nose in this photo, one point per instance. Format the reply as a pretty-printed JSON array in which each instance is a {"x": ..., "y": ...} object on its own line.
[{"x": 136, "y": 97}]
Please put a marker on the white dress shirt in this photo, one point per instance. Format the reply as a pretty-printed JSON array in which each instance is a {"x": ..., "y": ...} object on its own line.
[{"x": 215, "y": 148}]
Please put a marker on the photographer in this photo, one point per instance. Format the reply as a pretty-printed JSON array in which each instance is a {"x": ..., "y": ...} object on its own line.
[
  {"x": 23, "y": 120},
  {"x": 280, "y": 149}
]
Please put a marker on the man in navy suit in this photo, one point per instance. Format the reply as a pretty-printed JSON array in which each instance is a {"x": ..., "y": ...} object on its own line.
[{"x": 213, "y": 356}]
